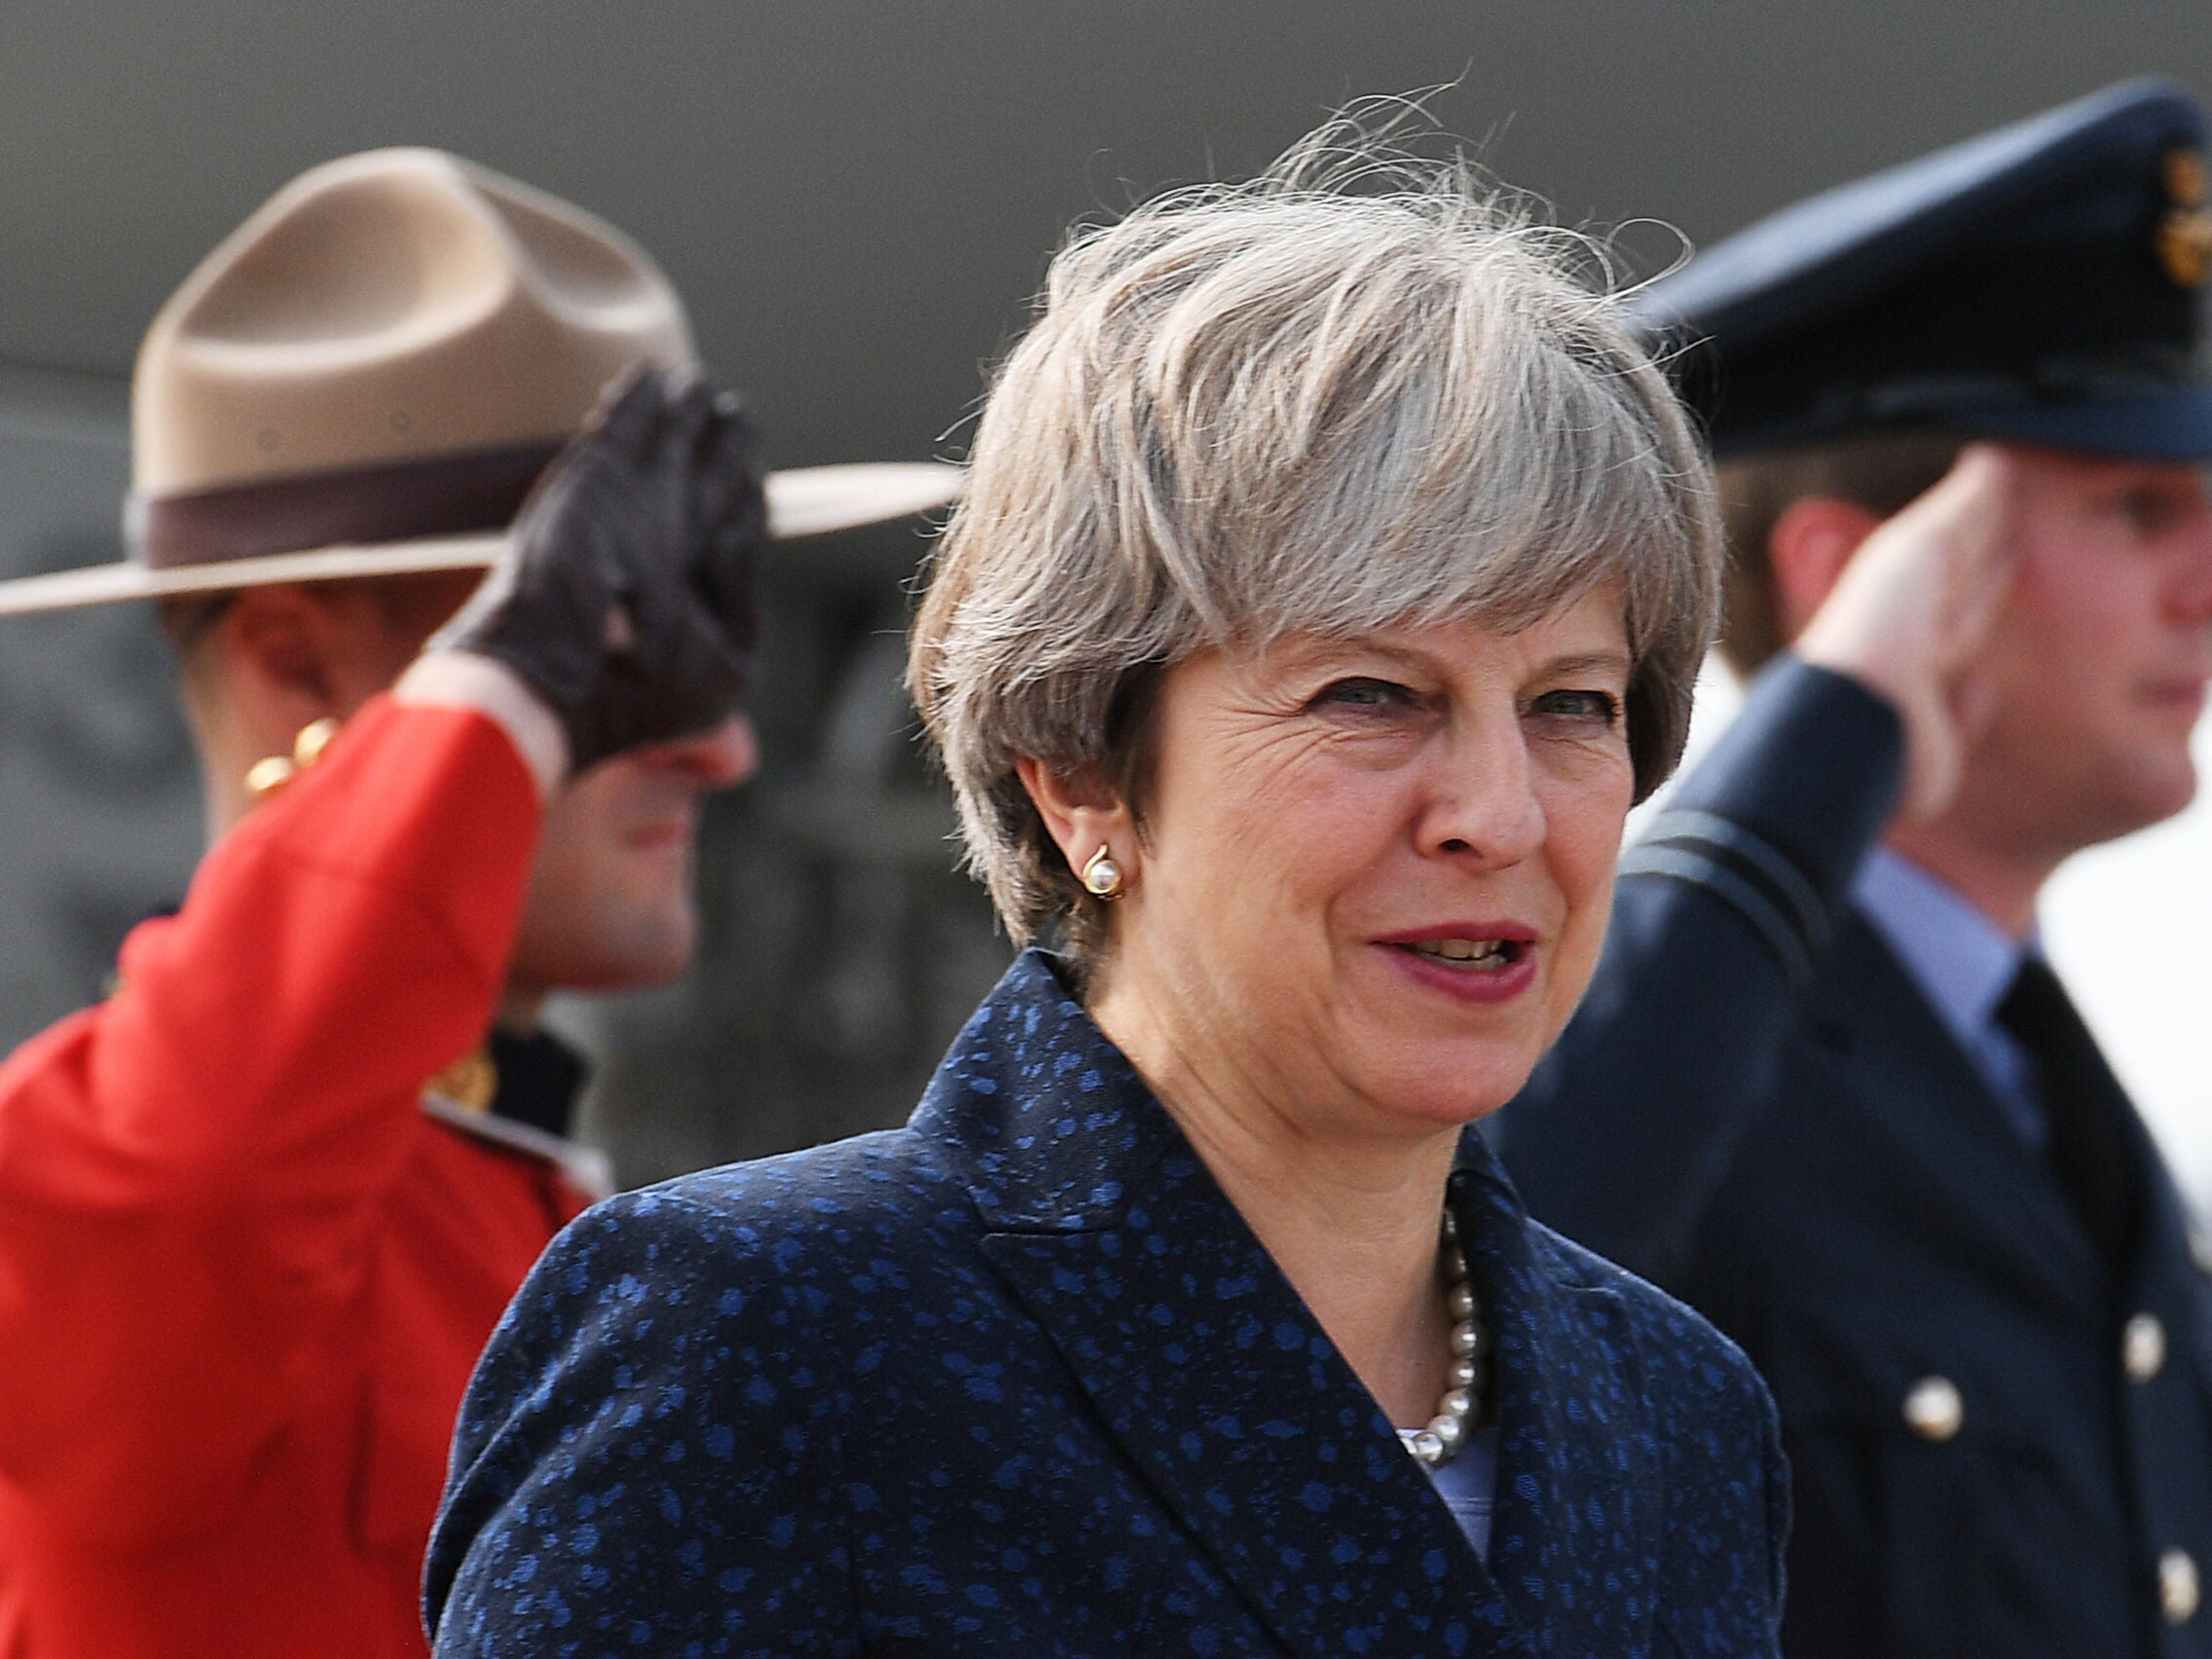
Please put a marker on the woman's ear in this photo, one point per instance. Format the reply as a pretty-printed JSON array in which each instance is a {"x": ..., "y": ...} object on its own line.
[
  {"x": 1809, "y": 546},
  {"x": 1081, "y": 812}
]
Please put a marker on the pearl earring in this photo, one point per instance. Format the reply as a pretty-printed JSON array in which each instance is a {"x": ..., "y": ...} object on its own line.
[{"x": 1102, "y": 877}]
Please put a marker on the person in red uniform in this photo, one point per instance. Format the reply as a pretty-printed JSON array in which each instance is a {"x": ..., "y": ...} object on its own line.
[{"x": 260, "y": 1209}]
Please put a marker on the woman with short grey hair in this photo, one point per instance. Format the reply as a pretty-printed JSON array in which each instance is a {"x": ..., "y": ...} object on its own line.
[
  {"x": 1332, "y": 578},
  {"x": 1254, "y": 412}
]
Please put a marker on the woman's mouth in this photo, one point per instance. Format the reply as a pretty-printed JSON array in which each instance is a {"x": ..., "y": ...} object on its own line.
[
  {"x": 1478, "y": 955},
  {"x": 1482, "y": 961}
]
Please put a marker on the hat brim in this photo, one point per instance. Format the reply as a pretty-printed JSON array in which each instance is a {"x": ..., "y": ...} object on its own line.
[
  {"x": 803, "y": 501},
  {"x": 2168, "y": 424}
]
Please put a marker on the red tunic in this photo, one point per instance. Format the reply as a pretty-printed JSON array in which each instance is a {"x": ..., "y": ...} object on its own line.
[{"x": 244, "y": 1275}]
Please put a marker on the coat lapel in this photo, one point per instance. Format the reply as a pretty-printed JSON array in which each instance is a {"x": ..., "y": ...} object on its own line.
[
  {"x": 1217, "y": 1382},
  {"x": 1990, "y": 1187},
  {"x": 1578, "y": 1480}
]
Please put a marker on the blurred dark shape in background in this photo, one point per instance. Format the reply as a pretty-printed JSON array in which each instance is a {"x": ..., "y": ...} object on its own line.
[
  {"x": 99, "y": 802},
  {"x": 856, "y": 198}
]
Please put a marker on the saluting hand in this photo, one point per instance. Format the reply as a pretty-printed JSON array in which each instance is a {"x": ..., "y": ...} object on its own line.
[
  {"x": 1913, "y": 610},
  {"x": 625, "y": 599}
]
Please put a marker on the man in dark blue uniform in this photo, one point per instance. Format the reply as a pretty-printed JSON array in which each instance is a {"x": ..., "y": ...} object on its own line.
[{"x": 1825, "y": 1087}]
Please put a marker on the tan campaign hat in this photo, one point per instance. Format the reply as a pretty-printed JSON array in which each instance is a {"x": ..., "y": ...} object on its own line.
[{"x": 367, "y": 376}]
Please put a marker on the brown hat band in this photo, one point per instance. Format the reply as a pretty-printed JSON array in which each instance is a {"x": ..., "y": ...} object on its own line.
[{"x": 408, "y": 500}]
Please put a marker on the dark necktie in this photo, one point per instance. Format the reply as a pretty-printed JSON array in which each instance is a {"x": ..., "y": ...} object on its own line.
[{"x": 2090, "y": 1147}]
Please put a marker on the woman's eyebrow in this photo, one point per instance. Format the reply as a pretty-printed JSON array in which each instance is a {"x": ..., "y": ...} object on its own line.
[
  {"x": 1328, "y": 655},
  {"x": 1349, "y": 654},
  {"x": 1589, "y": 662}
]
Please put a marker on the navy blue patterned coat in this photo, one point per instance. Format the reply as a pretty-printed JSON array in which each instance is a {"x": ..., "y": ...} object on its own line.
[{"x": 1018, "y": 1381}]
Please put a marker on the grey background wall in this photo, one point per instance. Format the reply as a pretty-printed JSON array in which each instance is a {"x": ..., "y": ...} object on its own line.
[{"x": 857, "y": 196}]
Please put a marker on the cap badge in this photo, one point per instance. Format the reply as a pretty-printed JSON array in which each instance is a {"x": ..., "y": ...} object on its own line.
[
  {"x": 2184, "y": 246},
  {"x": 2187, "y": 184},
  {"x": 2184, "y": 234}
]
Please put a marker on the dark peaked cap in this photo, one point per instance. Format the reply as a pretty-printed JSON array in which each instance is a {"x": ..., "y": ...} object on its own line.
[{"x": 2039, "y": 283}]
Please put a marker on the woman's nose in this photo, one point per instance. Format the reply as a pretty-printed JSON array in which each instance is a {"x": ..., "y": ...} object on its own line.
[{"x": 1484, "y": 804}]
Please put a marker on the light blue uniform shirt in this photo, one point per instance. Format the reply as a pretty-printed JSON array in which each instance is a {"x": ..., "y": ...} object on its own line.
[
  {"x": 1468, "y": 1486},
  {"x": 1963, "y": 964}
]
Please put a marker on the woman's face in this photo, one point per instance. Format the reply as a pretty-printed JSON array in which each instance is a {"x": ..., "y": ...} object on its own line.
[{"x": 1375, "y": 875}]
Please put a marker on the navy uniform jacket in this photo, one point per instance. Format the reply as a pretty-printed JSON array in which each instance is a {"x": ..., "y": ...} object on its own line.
[
  {"x": 1018, "y": 1381},
  {"x": 1757, "y": 1109}
]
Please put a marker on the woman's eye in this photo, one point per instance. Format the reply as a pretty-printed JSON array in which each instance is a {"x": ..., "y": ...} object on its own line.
[
  {"x": 1365, "y": 694},
  {"x": 1597, "y": 708}
]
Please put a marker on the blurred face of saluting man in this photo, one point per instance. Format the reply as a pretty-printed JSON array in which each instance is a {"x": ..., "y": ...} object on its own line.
[
  {"x": 2098, "y": 664},
  {"x": 2051, "y": 665},
  {"x": 610, "y": 903}
]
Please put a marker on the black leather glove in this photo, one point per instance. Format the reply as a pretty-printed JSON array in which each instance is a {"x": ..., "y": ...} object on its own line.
[{"x": 625, "y": 597}]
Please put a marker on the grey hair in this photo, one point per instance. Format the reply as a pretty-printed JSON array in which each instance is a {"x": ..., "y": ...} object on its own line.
[{"x": 1357, "y": 392}]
